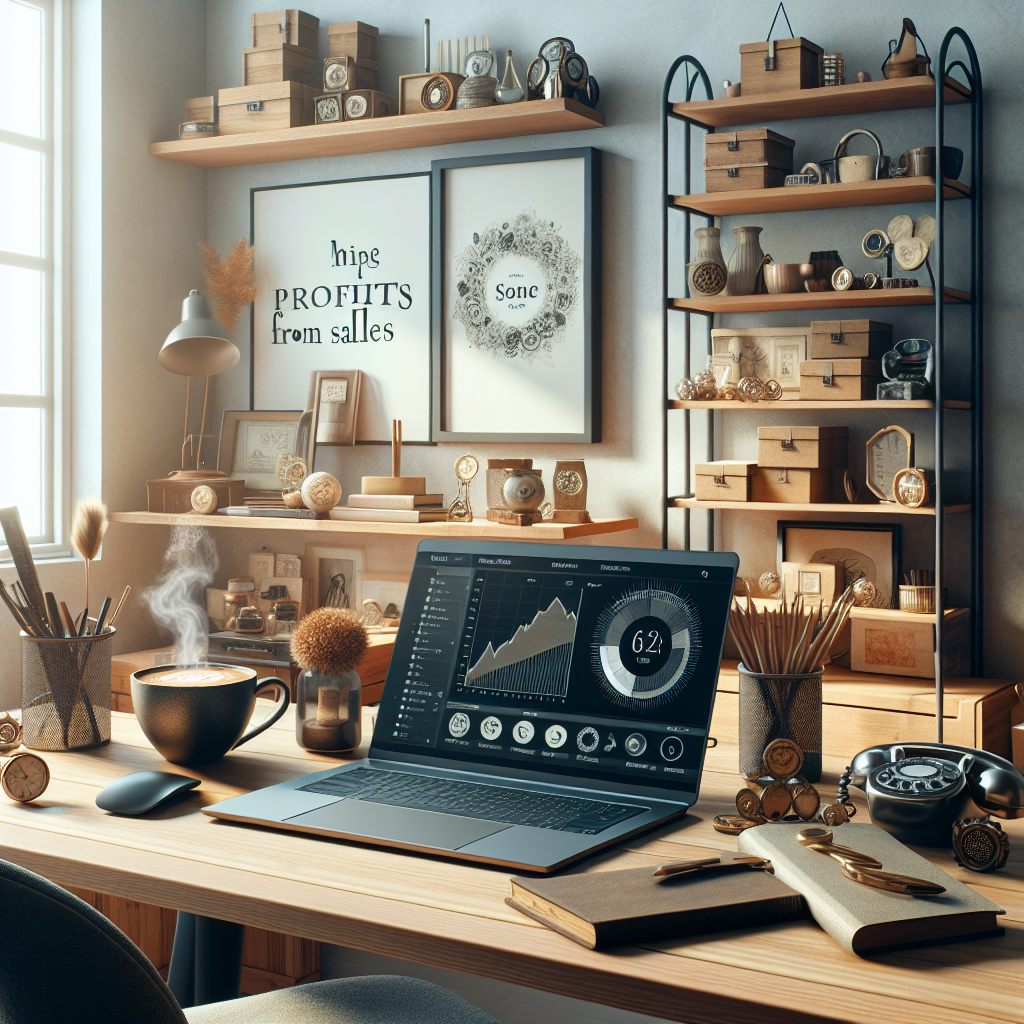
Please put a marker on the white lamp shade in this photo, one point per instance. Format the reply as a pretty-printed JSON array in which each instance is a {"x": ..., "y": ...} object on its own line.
[{"x": 200, "y": 345}]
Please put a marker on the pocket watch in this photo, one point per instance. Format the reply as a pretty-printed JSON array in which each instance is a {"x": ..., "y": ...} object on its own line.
[
  {"x": 24, "y": 777},
  {"x": 910, "y": 487}
]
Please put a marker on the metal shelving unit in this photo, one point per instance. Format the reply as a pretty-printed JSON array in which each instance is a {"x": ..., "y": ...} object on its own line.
[{"x": 958, "y": 82}]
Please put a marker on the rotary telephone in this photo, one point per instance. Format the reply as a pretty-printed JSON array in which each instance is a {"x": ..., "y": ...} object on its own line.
[{"x": 918, "y": 790}]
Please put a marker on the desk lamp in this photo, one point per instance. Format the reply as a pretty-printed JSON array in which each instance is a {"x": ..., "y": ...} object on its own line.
[{"x": 199, "y": 346}]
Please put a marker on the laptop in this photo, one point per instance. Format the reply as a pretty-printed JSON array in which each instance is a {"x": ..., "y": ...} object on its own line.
[{"x": 543, "y": 701}]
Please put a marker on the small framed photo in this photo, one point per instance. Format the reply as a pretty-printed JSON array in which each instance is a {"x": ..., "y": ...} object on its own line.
[
  {"x": 332, "y": 577},
  {"x": 768, "y": 353},
  {"x": 250, "y": 443}
]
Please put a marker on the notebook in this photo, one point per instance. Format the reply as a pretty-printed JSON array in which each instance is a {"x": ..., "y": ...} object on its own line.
[
  {"x": 615, "y": 908},
  {"x": 867, "y": 920}
]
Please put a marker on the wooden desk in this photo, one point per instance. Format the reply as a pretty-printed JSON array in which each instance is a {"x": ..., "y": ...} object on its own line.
[{"x": 452, "y": 915}]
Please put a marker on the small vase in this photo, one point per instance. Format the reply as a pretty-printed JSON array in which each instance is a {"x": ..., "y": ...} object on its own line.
[
  {"x": 328, "y": 711},
  {"x": 706, "y": 275},
  {"x": 510, "y": 89},
  {"x": 745, "y": 261}
]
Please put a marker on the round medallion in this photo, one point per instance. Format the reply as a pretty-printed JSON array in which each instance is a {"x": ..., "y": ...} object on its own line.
[
  {"x": 865, "y": 593},
  {"x": 467, "y": 467},
  {"x": 437, "y": 93},
  {"x": 806, "y": 800},
  {"x": 748, "y": 803},
  {"x": 536, "y": 73},
  {"x": 776, "y": 801},
  {"x": 910, "y": 488},
  {"x": 10, "y": 733},
  {"x": 523, "y": 491},
  {"x": 842, "y": 278},
  {"x": 572, "y": 69},
  {"x": 568, "y": 481},
  {"x": 835, "y": 814},
  {"x": 708, "y": 277},
  {"x": 731, "y": 826},
  {"x": 204, "y": 500},
  {"x": 783, "y": 759},
  {"x": 355, "y": 106},
  {"x": 336, "y": 77},
  {"x": 24, "y": 777},
  {"x": 320, "y": 492}
]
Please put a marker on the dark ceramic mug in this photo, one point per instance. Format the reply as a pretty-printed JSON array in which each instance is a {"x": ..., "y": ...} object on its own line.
[{"x": 195, "y": 714}]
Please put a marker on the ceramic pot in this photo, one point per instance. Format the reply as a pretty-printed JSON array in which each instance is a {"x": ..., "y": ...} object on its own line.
[
  {"x": 786, "y": 277},
  {"x": 746, "y": 258},
  {"x": 706, "y": 275}
]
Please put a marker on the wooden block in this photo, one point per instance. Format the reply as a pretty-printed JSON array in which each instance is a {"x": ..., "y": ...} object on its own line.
[
  {"x": 850, "y": 339},
  {"x": 806, "y": 447},
  {"x": 894, "y": 642},
  {"x": 361, "y": 104},
  {"x": 284, "y": 63},
  {"x": 724, "y": 480},
  {"x": 173, "y": 493},
  {"x": 410, "y": 89},
  {"x": 352, "y": 39},
  {"x": 730, "y": 179},
  {"x": 571, "y": 515},
  {"x": 509, "y": 517},
  {"x": 201, "y": 108},
  {"x": 289, "y": 26},
  {"x": 258, "y": 108},
  {"x": 797, "y": 66},
  {"x": 838, "y": 380},
  {"x": 344, "y": 73},
  {"x": 792, "y": 486}
]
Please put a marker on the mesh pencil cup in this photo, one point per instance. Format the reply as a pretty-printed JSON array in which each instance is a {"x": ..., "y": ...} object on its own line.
[{"x": 65, "y": 691}]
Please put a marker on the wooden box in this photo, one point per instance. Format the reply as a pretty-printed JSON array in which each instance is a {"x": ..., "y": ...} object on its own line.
[
  {"x": 899, "y": 643},
  {"x": 728, "y": 179},
  {"x": 797, "y": 65},
  {"x": 792, "y": 486},
  {"x": 201, "y": 108},
  {"x": 756, "y": 158},
  {"x": 838, "y": 380},
  {"x": 361, "y": 104},
  {"x": 285, "y": 63},
  {"x": 172, "y": 493},
  {"x": 352, "y": 39},
  {"x": 725, "y": 480},
  {"x": 850, "y": 339},
  {"x": 344, "y": 73},
  {"x": 816, "y": 582},
  {"x": 260, "y": 108},
  {"x": 803, "y": 447},
  {"x": 290, "y": 26},
  {"x": 410, "y": 89}
]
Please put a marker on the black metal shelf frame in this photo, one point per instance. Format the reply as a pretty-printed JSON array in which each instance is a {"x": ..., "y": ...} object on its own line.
[{"x": 694, "y": 75}]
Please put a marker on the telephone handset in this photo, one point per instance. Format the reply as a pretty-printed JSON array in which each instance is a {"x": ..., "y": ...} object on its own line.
[{"x": 917, "y": 790}]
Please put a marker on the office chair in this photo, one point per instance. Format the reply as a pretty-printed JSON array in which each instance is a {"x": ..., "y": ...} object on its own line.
[{"x": 64, "y": 961}]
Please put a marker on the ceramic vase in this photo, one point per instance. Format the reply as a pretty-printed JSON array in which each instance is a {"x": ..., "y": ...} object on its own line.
[
  {"x": 745, "y": 261},
  {"x": 706, "y": 275}
]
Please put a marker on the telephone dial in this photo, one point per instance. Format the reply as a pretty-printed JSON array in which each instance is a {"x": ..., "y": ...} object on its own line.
[{"x": 917, "y": 791}]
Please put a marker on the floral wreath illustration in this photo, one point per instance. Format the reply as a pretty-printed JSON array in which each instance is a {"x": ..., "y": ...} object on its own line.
[{"x": 533, "y": 239}]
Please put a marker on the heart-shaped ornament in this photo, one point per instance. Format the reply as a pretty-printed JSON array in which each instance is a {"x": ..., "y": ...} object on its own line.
[
  {"x": 924, "y": 228},
  {"x": 900, "y": 227},
  {"x": 910, "y": 253}
]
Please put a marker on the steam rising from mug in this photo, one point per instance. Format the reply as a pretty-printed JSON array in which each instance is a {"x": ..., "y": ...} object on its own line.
[{"x": 178, "y": 602}]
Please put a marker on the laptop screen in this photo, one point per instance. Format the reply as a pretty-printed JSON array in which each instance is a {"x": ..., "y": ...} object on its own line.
[{"x": 582, "y": 661}]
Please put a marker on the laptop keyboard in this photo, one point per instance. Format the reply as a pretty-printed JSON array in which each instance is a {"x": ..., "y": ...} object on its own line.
[{"x": 474, "y": 800}]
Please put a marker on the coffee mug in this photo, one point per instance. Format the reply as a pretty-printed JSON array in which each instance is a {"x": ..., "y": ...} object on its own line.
[{"x": 195, "y": 714}]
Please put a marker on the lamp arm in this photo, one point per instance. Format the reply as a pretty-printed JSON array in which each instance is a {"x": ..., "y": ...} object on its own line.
[
  {"x": 184, "y": 433},
  {"x": 202, "y": 425}
]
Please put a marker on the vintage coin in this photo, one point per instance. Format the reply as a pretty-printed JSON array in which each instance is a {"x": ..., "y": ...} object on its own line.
[
  {"x": 748, "y": 803},
  {"x": 805, "y": 800},
  {"x": 775, "y": 801},
  {"x": 835, "y": 814},
  {"x": 783, "y": 759}
]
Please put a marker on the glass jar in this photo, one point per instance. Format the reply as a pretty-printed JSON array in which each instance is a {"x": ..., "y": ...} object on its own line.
[{"x": 328, "y": 711}]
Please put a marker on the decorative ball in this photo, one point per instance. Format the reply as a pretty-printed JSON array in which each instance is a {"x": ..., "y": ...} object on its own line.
[
  {"x": 523, "y": 491},
  {"x": 204, "y": 500},
  {"x": 686, "y": 390},
  {"x": 330, "y": 640},
  {"x": 865, "y": 593},
  {"x": 770, "y": 583},
  {"x": 320, "y": 492}
]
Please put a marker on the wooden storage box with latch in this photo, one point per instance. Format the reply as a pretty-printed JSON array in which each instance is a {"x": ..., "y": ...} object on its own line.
[
  {"x": 260, "y": 108},
  {"x": 850, "y": 339},
  {"x": 284, "y": 63},
  {"x": 780, "y": 65},
  {"x": 803, "y": 447},
  {"x": 352, "y": 39},
  {"x": 289, "y": 26},
  {"x": 792, "y": 486},
  {"x": 839, "y": 380},
  {"x": 756, "y": 158},
  {"x": 725, "y": 480}
]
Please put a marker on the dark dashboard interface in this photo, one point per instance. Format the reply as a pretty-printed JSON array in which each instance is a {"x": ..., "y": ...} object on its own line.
[{"x": 580, "y": 665}]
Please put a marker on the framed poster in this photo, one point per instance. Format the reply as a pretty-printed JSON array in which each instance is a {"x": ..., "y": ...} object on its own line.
[
  {"x": 343, "y": 271},
  {"x": 250, "y": 443},
  {"x": 517, "y": 263}
]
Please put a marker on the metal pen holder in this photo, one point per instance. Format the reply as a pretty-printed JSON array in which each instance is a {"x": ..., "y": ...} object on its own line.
[{"x": 65, "y": 691}]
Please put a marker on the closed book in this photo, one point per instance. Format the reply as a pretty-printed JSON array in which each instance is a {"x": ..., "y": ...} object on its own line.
[
  {"x": 275, "y": 513},
  {"x": 867, "y": 920},
  {"x": 387, "y": 515},
  {"x": 598, "y": 909},
  {"x": 408, "y": 502}
]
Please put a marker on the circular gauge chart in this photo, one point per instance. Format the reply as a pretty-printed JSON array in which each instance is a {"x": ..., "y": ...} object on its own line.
[{"x": 645, "y": 645}]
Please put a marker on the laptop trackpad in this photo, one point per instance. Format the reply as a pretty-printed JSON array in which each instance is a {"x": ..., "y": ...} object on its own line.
[{"x": 399, "y": 824}]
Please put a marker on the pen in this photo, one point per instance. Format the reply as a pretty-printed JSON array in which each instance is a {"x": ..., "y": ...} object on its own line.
[
  {"x": 127, "y": 591},
  {"x": 693, "y": 867},
  {"x": 53, "y": 612},
  {"x": 66, "y": 620},
  {"x": 104, "y": 608}
]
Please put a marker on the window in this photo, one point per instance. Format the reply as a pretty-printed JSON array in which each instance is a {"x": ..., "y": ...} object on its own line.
[{"x": 31, "y": 409}]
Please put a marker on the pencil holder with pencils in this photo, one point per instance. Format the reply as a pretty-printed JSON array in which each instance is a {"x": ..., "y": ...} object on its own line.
[{"x": 65, "y": 691}]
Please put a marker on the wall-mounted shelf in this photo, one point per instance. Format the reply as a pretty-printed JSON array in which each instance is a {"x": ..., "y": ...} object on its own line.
[
  {"x": 828, "y": 508},
  {"x": 866, "y": 404},
  {"x": 886, "y": 192},
  {"x": 406, "y": 131},
  {"x": 480, "y": 529},
  {"x": 817, "y": 300},
  {"x": 838, "y": 100}
]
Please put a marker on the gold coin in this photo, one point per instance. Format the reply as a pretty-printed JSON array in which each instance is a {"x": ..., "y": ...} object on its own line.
[
  {"x": 783, "y": 759},
  {"x": 835, "y": 814},
  {"x": 775, "y": 801},
  {"x": 733, "y": 826},
  {"x": 805, "y": 800},
  {"x": 748, "y": 803},
  {"x": 24, "y": 777}
]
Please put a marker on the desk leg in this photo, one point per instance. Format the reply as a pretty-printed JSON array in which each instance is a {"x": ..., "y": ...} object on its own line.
[{"x": 206, "y": 960}]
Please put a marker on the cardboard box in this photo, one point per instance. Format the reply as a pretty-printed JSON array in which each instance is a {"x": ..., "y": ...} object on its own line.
[
  {"x": 285, "y": 63},
  {"x": 894, "y": 642},
  {"x": 289, "y": 26},
  {"x": 352, "y": 39},
  {"x": 850, "y": 339},
  {"x": 792, "y": 486},
  {"x": 259, "y": 108},
  {"x": 838, "y": 380},
  {"x": 795, "y": 64},
  {"x": 803, "y": 447},
  {"x": 725, "y": 480}
]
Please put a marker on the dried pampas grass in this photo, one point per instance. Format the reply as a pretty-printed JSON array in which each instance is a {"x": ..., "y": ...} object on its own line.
[
  {"x": 329, "y": 640},
  {"x": 230, "y": 283},
  {"x": 87, "y": 529}
]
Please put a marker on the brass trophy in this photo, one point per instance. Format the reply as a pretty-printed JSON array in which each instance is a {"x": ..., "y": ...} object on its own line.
[{"x": 570, "y": 486}]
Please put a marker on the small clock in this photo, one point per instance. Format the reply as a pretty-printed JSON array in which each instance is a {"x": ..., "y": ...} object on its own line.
[
  {"x": 467, "y": 467},
  {"x": 24, "y": 777},
  {"x": 889, "y": 451},
  {"x": 910, "y": 487}
]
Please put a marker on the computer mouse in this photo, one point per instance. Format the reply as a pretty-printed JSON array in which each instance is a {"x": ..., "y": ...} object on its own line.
[{"x": 142, "y": 791}]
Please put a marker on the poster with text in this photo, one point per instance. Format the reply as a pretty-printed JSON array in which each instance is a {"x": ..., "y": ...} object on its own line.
[{"x": 343, "y": 271}]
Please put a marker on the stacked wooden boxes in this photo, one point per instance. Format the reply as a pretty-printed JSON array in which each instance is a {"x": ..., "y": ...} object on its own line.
[
  {"x": 795, "y": 464},
  {"x": 845, "y": 360},
  {"x": 351, "y": 76},
  {"x": 755, "y": 158}
]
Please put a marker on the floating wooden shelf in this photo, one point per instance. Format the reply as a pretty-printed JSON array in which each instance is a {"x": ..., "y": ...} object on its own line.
[
  {"x": 798, "y": 406},
  {"x": 830, "y": 508},
  {"x": 817, "y": 300},
  {"x": 886, "y": 192},
  {"x": 478, "y": 530},
  {"x": 839, "y": 100},
  {"x": 407, "y": 131}
]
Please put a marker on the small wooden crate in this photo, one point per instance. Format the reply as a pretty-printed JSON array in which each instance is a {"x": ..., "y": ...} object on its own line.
[
  {"x": 838, "y": 380},
  {"x": 344, "y": 73},
  {"x": 756, "y": 158},
  {"x": 284, "y": 63},
  {"x": 201, "y": 108},
  {"x": 289, "y": 26},
  {"x": 725, "y": 480},
  {"x": 806, "y": 447},
  {"x": 361, "y": 104},
  {"x": 729, "y": 179},
  {"x": 898, "y": 643},
  {"x": 797, "y": 66},
  {"x": 352, "y": 39},
  {"x": 173, "y": 493},
  {"x": 850, "y": 339},
  {"x": 260, "y": 108},
  {"x": 410, "y": 89},
  {"x": 792, "y": 486}
]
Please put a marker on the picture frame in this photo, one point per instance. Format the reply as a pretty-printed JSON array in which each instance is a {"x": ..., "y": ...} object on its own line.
[
  {"x": 768, "y": 353},
  {"x": 250, "y": 442},
  {"x": 321, "y": 563},
  {"x": 343, "y": 270},
  {"x": 523, "y": 367},
  {"x": 332, "y": 400},
  {"x": 871, "y": 549}
]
